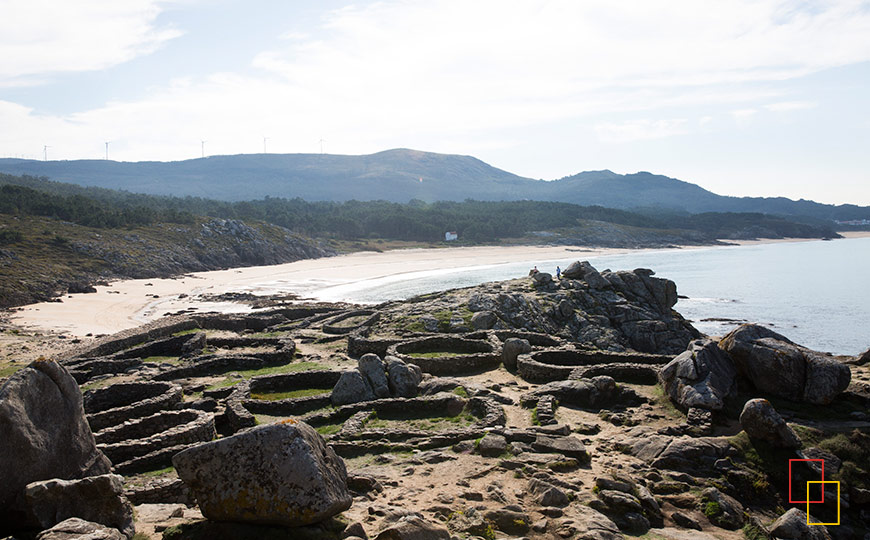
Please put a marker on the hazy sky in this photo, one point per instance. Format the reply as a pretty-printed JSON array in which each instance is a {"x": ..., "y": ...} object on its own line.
[{"x": 756, "y": 97}]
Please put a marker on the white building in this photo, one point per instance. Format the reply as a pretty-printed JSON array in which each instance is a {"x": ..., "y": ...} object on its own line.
[{"x": 450, "y": 236}]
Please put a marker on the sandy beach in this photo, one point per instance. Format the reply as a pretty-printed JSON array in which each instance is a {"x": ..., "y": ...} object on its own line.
[{"x": 129, "y": 303}]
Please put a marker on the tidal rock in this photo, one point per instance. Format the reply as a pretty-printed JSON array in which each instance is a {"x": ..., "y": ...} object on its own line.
[
  {"x": 542, "y": 278},
  {"x": 761, "y": 422},
  {"x": 374, "y": 370},
  {"x": 703, "y": 376},
  {"x": 512, "y": 348},
  {"x": 43, "y": 434},
  {"x": 793, "y": 526},
  {"x": 352, "y": 387},
  {"x": 779, "y": 367},
  {"x": 79, "y": 529},
  {"x": 280, "y": 474},
  {"x": 97, "y": 498},
  {"x": 404, "y": 379},
  {"x": 413, "y": 528}
]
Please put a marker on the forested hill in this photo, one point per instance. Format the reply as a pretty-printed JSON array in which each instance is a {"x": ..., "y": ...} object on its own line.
[{"x": 403, "y": 175}]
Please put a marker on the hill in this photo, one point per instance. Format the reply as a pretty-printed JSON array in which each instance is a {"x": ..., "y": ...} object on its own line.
[{"x": 402, "y": 175}]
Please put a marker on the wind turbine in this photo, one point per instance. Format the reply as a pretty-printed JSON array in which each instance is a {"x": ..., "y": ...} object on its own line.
[
  {"x": 321, "y": 144},
  {"x": 202, "y": 147},
  {"x": 107, "y": 150},
  {"x": 45, "y": 148},
  {"x": 264, "y": 144}
]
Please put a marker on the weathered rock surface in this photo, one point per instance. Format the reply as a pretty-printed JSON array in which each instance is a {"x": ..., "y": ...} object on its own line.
[
  {"x": 722, "y": 510},
  {"x": 97, "y": 498},
  {"x": 413, "y": 528},
  {"x": 703, "y": 376},
  {"x": 374, "y": 370},
  {"x": 512, "y": 348},
  {"x": 79, "y": 529},
  {"x": 404, "y": 379},
  {"x": 761, "y": 422},
  {"x": 352, "y": 387},
  {"x": 776, "y": 365},
  {"x": 793, "y": 526},
  {"x": 282, "y": 474},
  {"x": 43, "y": 434}
]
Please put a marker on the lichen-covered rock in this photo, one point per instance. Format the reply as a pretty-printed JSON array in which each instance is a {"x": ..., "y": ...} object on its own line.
[
  {"x": 777, "y": 366},
  {"x": 703, "y": 376},
  {"x": 722, "y": 510},
  {"x": 761, "y": 422},
  {"x": 793, "y": 526},
  {"x": 352, "y": 387},
  {"x": 43, "y": 434},
  {"x": 79, "y": 529},
  {"x": 404, "y": 379},
  {"x": 512, "y": 348},
  {"x": 281, "y": 474},
  {"x": 97, "y": 498},
  {"x": 483, "y": 320},
  {"x": 374, "y": 370}
]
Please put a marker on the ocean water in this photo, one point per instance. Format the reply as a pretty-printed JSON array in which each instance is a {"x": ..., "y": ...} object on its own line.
[{"x": 815, "y": 293}]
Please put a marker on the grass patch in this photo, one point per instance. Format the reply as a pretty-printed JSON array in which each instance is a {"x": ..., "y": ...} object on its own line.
[
  {"x": 161, "y": 359},
  {"x": 305, "y": 392},
  {"x": 159, "y": 472},
  {"x": 460, "y": 391},
  {"x": 664, "y": 401},
  {"x": 186, "y": 332},
  {"x": 249, "y": 373},
  {"x": 328, "y": 429},
  {"x": 414, "y": 420},
  {"x": 752, "y": 532},
  {"x": 356, "y": 320},
  {"x": 8, "y": 370},
  {"x": 277, "y": 333}
]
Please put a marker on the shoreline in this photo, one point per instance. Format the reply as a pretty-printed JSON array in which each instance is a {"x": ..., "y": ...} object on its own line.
[{"x": 126, "y": 304}]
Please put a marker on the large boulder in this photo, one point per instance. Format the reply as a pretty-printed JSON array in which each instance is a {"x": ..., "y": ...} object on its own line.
[
  {"x": 97, "y": 498},
  {"x": 375, "y": 372},
  {"x": 793, "y": 525},
  {"x": 512, "y": 348},
  {"x": 43, "y": 435},
  {"x": 80, "y": 529},
  {"x": 722, "y": 510},
  {"x": 777, "y": 366},
  {"x": 703, "y": 376},
  {"x": 761, "y": 422},
  {"x": 404, "y": 379},
  {"x": 352, "y": 387},
  {"x": 585, "y": 271},
  {"x": 413, "y": 528},
  {"x": 279, "y": 474}
]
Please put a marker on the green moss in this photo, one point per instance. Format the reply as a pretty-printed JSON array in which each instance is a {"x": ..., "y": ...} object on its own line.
[
  {"x": 273, "y": 396},
  {"x": 328, "y": 429},
  {"x": 162, "y": 359},
  {"x": 712, "y": 509},
  {"x": 159, "y": 472},
  {"x": 460, "y": 391},
  {"x": 249, "y": 373},
  {"x": 9, "y": 369},
  {"x": 752, "y": 532}
]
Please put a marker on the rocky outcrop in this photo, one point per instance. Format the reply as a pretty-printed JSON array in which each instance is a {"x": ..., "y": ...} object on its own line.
[
  {"x": 596, "y": 392},
  {"x": 375, "y": 378},
  {"x": 80, "y": 529},
  {"x": 282, "y": 474},
  {"x": 703, "y": 376},
  {"x": 99, "y": 499},
  {"x": 793, "y": 525},
  {"x": 777, "y": 366},
  {"x": 44, "y": 434},
  {"x": 761, "y": 422},
  {"x": 512, "y": 348}
]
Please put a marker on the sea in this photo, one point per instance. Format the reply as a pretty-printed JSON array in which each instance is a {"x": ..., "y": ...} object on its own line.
[{"x": 816, "y": 293}]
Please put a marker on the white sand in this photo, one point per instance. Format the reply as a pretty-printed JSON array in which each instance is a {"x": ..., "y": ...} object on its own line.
[{"x": 129, "y": 303}]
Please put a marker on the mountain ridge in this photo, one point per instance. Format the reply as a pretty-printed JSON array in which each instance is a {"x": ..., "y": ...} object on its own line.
[{"x": 401, "y": 175}]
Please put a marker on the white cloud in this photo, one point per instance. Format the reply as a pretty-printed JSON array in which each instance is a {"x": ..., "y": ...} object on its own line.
[
  {"x": 637, "y": 130},
  {"x": 425, "y": 73},
  {"x": 41, "y": 37},
  {"x": 786, "y": 106}
]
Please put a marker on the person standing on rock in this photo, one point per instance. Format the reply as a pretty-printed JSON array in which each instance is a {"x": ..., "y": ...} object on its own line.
[{"x": 558, "y": 273}]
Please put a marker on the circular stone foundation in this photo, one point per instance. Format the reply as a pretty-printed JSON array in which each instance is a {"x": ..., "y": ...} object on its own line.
[
  {"x": 445, "y": 355},
  {"x": 558, "y": 364},
  {"x": 120, "y": 402}
]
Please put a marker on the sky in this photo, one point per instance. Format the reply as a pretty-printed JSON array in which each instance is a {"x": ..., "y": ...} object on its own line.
[{"x": 744, "y": 97}]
